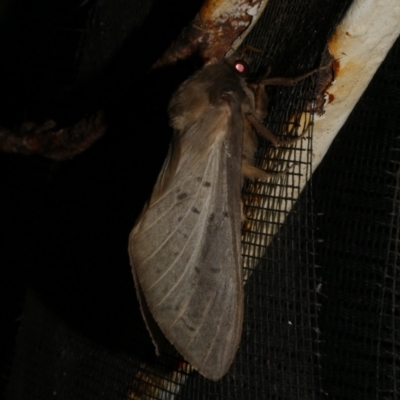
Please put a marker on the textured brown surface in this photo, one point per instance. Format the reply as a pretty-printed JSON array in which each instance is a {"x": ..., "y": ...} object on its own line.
[
  {"x": 212, "y": 32},
  {"x": 52, "y": 142}
]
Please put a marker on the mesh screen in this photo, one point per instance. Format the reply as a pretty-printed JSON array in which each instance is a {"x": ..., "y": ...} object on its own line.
[
  {"x": 356, "y": 191},
  {"x": 320, "y": 313}
]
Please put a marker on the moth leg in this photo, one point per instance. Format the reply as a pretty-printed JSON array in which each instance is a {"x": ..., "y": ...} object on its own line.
[
  {"x": 253, "y": 173},
  {"x": 260, "y": 112},
  {"x": 296, "y": 138},
  {"x": 262, "y": 130},
  {"x": 280, "y": 81},
  {"x": 261, "y": 107}
]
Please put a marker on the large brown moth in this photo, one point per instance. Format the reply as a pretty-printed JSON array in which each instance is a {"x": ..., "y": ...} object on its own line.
[{"x": 185, "y": 247}]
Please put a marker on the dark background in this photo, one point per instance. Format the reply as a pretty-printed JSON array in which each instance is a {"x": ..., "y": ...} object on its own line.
[
  {"x": 70, "y": 320},
  {"x": 65, "y": 225}
]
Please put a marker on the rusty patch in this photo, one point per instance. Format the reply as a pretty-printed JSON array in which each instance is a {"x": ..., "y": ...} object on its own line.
[
  {"x": 49, "y": 141},
  {"x": 210, "y": 35},
  {"x": 336, "y": 67}
]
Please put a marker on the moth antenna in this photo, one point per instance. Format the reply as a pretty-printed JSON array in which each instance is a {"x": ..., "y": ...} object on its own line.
[
  {"x": 252, "y": 48},
  {"x": 283, "y": 81},
  {"x": 241, "y": 52},
  {"x": 253, "y": 173}
]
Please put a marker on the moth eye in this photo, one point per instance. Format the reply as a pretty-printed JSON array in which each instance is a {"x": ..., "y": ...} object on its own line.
[{"x": 241, "y": 67}]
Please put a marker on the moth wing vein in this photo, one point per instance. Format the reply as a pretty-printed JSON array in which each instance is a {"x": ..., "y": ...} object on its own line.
[
  {"x": 202, "y": 234},
  {"x": 172, "y": 233}
]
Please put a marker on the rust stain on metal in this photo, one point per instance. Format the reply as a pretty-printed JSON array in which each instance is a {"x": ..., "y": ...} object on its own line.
[
  {"x": 210, "y": 35},
  {"x": 335, "y": 47},
  {"x": 208, "y": 8},
  {"x": 336, "y": 67},
  {"x": 49, "y": 141}
]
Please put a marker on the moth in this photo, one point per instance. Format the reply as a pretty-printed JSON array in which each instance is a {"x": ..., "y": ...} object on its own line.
[{"x": 185, "y": 247}]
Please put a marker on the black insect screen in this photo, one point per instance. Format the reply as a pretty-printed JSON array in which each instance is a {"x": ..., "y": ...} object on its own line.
[
  {"x": 356, "y": 191},
  {"x": 321, "y": 315}
]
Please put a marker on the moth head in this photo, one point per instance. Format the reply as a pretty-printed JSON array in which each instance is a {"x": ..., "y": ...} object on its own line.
[{"x": 238, "y": 64}]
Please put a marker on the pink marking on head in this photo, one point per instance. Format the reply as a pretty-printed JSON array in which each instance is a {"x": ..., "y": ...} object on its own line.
[{"x": 241, "y": 67}]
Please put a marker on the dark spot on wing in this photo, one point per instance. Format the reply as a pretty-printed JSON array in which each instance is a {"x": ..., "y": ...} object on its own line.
[
  {"x": 211, "y": 217},
  {"x": 215, "y": 270},
  {"x": 195, "y": 210},
  {"x": 188, "y": 326},
  {"x": 225, "y": 214},
  {"x": 180, "y": 219},
  {"x": 182, "y": 196},
  {"x": 177, "y": 307},
  {"x": 197, "y": 270},
  {"x": 207, "y": 184}
]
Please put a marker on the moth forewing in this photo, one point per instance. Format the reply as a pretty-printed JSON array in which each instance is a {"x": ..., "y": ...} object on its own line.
[{"x": 185, "y": 247}]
